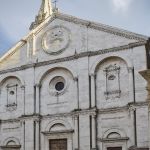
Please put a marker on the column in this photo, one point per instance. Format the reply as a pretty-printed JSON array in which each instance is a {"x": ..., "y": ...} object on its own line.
[
  {"x": 37, "y": 130},
  {"x": 146, "y": 76},
  {"x": 132, "y": 107},
  {"x": 76, "y": 119},
  {"x": 93, "y": 97},
  {"x": 23, "y": 134},
  {"x": 94, "y": 140},
  {"x": 131, "y": 94},
  {"x": 77, "y": 93},
  {"x": 38, "y": 86},
  {"x": 148, "y": 100},
  {"x": 23, "y": 98}
]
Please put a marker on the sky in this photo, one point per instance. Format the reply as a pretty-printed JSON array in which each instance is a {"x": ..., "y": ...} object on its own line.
[{"x": 17, "y": 15}]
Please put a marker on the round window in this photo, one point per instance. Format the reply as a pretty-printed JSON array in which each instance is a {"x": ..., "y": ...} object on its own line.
[{"x": 59, "y": 86}]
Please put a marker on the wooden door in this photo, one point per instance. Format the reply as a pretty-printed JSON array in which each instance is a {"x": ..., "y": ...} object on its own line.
[
  {"x": 114, "y": 148},
  {"x": 58, "y": 144}
]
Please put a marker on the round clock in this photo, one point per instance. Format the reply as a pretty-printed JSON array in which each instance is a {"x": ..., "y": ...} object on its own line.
[{"x": 55, "y": 40}]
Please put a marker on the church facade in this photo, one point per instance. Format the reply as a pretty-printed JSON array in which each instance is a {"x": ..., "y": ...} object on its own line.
[{"x": 73, "y": 84}]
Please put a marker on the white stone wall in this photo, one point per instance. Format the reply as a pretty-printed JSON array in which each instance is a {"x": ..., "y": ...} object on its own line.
[{"x": 89, "y": 112}]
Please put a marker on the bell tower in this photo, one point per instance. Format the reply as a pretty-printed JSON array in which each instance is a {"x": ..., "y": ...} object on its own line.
[{"x": 44, "y": 12}]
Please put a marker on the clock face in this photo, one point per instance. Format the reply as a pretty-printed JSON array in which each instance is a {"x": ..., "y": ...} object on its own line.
[{"x": 55, "y": 40}]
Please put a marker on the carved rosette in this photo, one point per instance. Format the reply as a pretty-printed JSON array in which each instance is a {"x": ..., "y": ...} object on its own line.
[{"x": 56, "y": 40}]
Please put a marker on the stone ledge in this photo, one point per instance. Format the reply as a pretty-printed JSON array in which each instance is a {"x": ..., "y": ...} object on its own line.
[{"x": 73, "y": 57}]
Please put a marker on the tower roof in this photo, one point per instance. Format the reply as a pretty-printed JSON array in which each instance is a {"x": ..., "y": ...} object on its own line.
[{"x": 44, "y": 12}]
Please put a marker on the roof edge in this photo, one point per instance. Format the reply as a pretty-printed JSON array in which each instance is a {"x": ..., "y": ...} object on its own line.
[
  {"x": 89, "y": 24},
  {"x": 103, "y": 27}
]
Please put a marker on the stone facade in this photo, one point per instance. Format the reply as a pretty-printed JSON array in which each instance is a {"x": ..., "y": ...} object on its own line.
[{"x": 78, "y": 81}]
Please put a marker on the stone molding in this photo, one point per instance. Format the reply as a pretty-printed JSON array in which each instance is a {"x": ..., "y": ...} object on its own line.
[
  {"x": 113, "y": 139},
  {"x": 89, "y": 24},
  {"x": 73, "y": 57},
  {"x": 92, "y": 112},
  {"x": 101, "y": 27},
  {"x": 57, "y": 132},
  {"x": 11, "y": 147}
]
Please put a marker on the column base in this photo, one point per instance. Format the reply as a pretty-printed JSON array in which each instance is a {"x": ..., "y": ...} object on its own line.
[{"x": 94, "y": 149}]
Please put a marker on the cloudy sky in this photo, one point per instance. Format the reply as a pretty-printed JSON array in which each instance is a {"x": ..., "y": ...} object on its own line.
[{"x": 17, "y": 15}]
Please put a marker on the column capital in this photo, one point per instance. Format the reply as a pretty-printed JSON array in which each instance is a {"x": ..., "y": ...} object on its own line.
[
  {"x": 131, "y": 107},
  {"x": 38, "y": 85},
  {"x": 130, "y": 69},
  {"x": 37, "y": 120},
  {"x": 22, "y": 87},
  {"x": 93, "y": 115},
  {"x": 75, "y": 79},
  {"x": 92, "y": 74},
  {"x": 22, "y": 121},
  {"x": 75, "y": 116}
]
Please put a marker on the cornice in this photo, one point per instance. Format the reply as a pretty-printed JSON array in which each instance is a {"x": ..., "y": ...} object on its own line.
[
  {"x": 90, "y": 111},
  {"x": 76, "y": 56},
  {"x": 69, "y": 18},
  {"x": 101, "y": 27},
  {"x": 12, "y": 50},
  {"x": 10, "y": 120},
  {"x": 113, "y": 139},
  {"x": 123, "y": 108},
  {"x": 58, "y": 132}
]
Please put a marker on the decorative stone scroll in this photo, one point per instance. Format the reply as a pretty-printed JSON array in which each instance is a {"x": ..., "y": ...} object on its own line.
[{"x": 112, "y": 73}]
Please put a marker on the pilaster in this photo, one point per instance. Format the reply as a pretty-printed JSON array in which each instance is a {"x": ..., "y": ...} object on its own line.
[
  {"x": 94, "y": 130},
  {"x": 76, "y": 120},
  {"x": 131, "y": 86},
  {"x": 23, "y": 98},
  {"x": 37, "y": 110},
  {"x": 93, "y": 97},
  {"x": 37, "y": 133},
  {"x": 77, "y": 92}
]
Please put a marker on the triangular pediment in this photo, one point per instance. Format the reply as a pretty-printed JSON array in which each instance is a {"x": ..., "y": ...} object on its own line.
[{"x": 78, "y": 36}]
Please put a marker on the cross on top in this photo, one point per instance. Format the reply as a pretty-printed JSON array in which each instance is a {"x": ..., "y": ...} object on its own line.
[{"x": 55, "y": 3}]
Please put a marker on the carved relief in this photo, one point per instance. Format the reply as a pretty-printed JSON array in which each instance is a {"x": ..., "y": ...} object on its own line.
[
  {"x": 56, "y": 40},
  {"x": 112, "y": 73}
]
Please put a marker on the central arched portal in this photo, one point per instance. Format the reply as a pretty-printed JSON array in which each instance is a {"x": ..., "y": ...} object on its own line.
[
  {"x": 58, "y": 144},
  {"x": 58, "y": 136}
]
